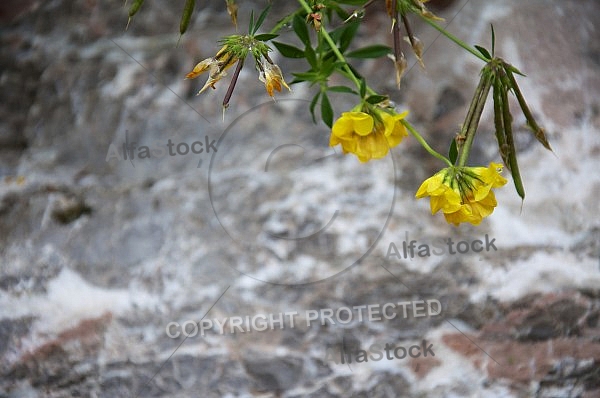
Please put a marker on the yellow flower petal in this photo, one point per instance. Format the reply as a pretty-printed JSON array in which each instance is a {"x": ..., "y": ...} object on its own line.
[
  {"x": 343, "y": 127},
  {"x": 362, "y": 123}
]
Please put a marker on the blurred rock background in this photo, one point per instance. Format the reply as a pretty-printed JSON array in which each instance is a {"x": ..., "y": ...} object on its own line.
[{"x": 97, "y": 256}]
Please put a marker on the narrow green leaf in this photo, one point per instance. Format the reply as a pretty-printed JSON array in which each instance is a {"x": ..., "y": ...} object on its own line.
[
  {"x": 493, "y": 41},
  {"x": 353, "y": 2},
  {"x": 296, "y": 81},
  {"x": 288, "y": 51},
  {"x": 306, "y": 76},
  {"x": 313, "y": 103},
  {"x": 266, "y": 36},
  {"x": 299, "y": 26},
  {"x": 339, "y": 11},
  {"x": 376, "y": 99},
  {"x": 341, "y": 89},
  {"x": 311, "y": 57},
  {"x": 484, "y": 52},
  {"x": 327, "y": 66},
  {"x": 453, "y": 151},
  {"x": 513, "y": 69},
  {"x": 261, "y": 19},
  {"x": 363, "y": 87},
  {"x": 374, "y": 51},
  {"x": 355, "y": 72},
  {"x": 326, "y": 110},
  {"x": 345, "y": 35},
  {"x": 251, "y": 23}
]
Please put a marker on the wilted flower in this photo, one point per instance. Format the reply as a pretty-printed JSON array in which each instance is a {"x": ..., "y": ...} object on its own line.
[
  {"x": 272, "y": 77},
  {"x": 419, "y": 4},
  {"x": 417, "y": 46},
  {"x": 216, "y": 67},
  {"x": 464, "y": 194},
  {"x": 368, "y": 136},
  {"x": 400, "y": 66}
]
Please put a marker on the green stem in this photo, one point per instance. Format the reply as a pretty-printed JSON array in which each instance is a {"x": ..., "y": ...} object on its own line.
[
  {"x": 284, "y": 21},
  {"x": 424, "y": 143},
  {"x": 455, "y": 39},
  {"x": 336, "y": 50}
]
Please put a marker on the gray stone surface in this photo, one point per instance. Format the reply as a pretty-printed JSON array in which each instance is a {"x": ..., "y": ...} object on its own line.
[{"x": 97, "y": 256}]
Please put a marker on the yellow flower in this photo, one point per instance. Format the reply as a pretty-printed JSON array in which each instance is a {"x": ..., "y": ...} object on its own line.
[
  {"x": 464, "y": 194},
  {"x": 216, "y": 66},
  {"x": 366, "y": 136},
  {"x": 272, "y": 77}
]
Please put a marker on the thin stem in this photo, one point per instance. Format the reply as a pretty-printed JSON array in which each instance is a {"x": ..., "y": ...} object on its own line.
[
  {"x": 335, "y": 50},
  {"x": 339, "y": 56},
  {"x": 396, "y": 32},
  {"x": 424, "y": 143},
  {"x": 408, "y": 31},
  {"x": 455, "y": 39},
  {"x": 284, "y": 21}
]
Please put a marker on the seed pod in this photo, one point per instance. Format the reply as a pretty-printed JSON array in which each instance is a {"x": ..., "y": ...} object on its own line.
[
  {"x": 510, "y": 142},
  {"x": 498, "y": 120},
  {"x": 135, "y": 7},
  {"x": 537, "y": 130},
  {"x": 186, "y": 16}
]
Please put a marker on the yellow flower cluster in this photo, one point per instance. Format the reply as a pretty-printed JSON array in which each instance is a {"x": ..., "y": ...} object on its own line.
[
  {"x": 464, "y": 194},
  {"x": 368, "y": 136}
]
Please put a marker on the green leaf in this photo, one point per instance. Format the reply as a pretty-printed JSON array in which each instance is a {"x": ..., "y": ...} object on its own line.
[
  {"x": 484, "y": 52},
  {"x": 363, "y": 87},
  {"x": 341, "y": 89},
  {"x": 376, "y": 99},
  {"x": 313, "y": 103},
  {"x": 266, "y": 36},
  {"x": 339, "y": 11},
  {"x": 353, "y": 2},
  {"x": 355, "y": 72},
  {"x": 288, "y": 51},
  {"x": 344, "y": 34},
  {"x": 306, "y": 76},
  {"x": 311, "y": 57},
  {"x": 261, "y": 19},
  {"x": 374, "y": 51},
  {"x": 453, "y": 151},
  {"x": 493, "y": 41},
  {"x": 514, "y": 70},
  {"x": 299, "y": 26},
  {"x": 251, "y": 23},
  {"x": 327, "y": 67},
  {"x": 326, "y": 110}
]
